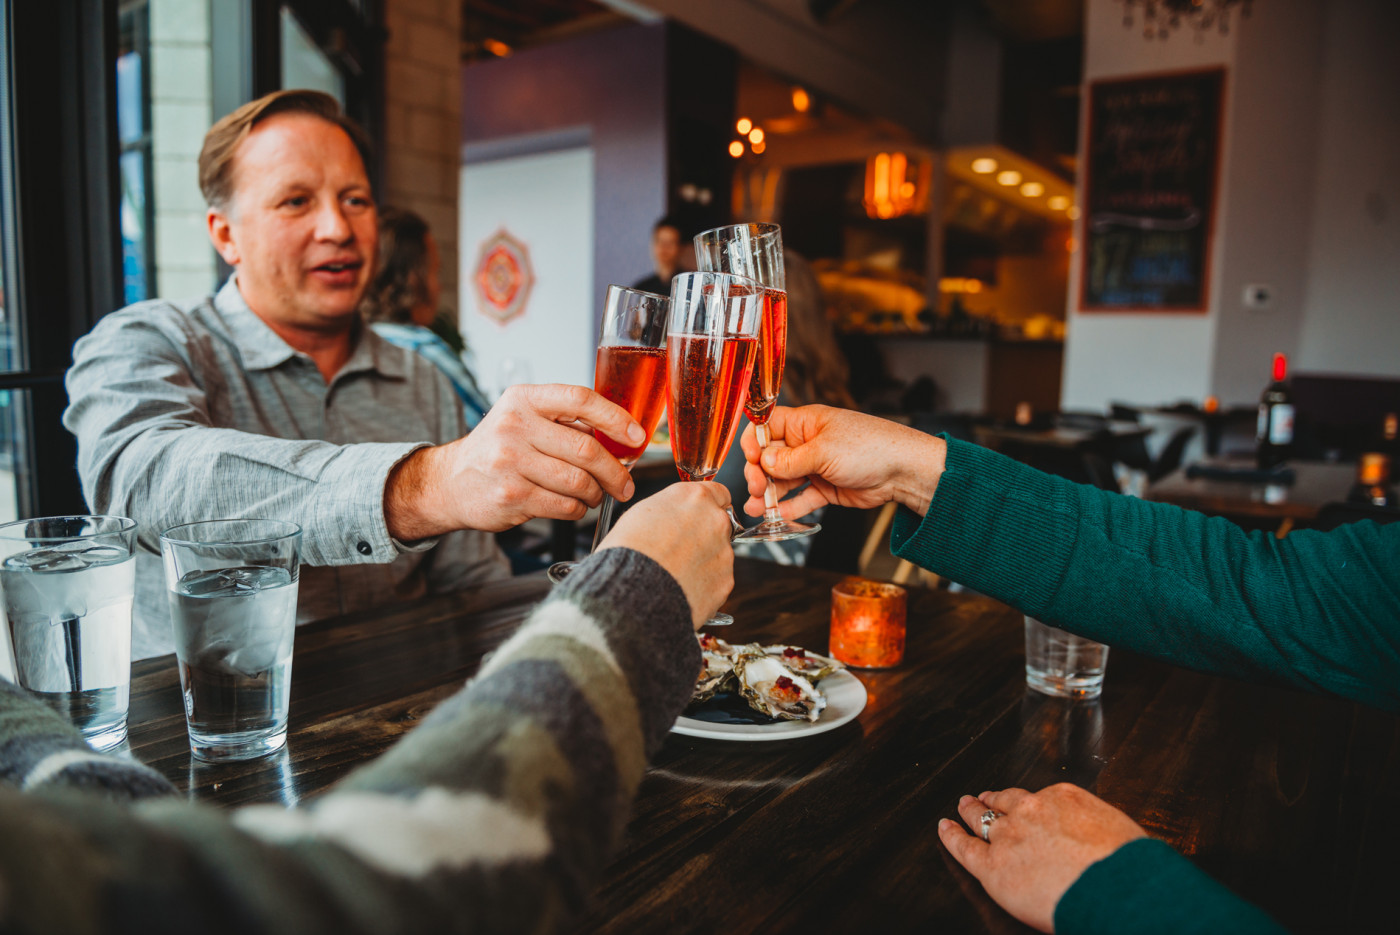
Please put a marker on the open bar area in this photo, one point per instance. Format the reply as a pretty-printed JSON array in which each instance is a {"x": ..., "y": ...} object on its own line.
[{"x": 744, "y": 466}]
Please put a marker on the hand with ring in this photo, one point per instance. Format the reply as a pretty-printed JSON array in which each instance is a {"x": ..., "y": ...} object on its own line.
[{"x": 1028, "y": 848}]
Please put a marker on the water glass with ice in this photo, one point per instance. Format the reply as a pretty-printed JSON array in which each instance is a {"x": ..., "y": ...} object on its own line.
[
  {"x": 232, "y": 585},
  {"x": 68, "y": 584},
  {"x": 1062, "y": 664}
]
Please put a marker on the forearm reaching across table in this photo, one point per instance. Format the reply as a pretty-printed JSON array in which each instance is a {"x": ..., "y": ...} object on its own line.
[
  {"x": 496, "y": 814},
  {"x": 1314, "y": 610}
]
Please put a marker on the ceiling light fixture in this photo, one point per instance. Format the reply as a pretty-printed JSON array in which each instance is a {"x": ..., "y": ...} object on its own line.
[
  {"x": 743, "y": 126},
  {"x": 756, "y": 135},
  {"x": 736, "y": 149},
  {"x": 1009, "y": 177},
  {"x": 1032, "y": 189},
  {"x": 801, "y": 100},
  {"x": 984, "y": 166},
  {"x": 1057, "y": 202}
]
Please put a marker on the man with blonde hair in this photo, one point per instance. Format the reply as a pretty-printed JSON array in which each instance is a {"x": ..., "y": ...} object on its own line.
[{"x": 270, "y": 397}]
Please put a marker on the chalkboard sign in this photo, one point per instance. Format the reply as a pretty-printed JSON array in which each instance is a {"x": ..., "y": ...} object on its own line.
[{"x": 1149, "y": 192}]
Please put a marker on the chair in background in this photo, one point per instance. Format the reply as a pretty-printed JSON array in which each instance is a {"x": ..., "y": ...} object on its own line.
[{"x": 1169, "y": 459}]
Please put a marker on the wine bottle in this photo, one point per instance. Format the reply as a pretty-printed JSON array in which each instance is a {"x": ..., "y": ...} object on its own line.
[{"x": 1274, "y": 435}]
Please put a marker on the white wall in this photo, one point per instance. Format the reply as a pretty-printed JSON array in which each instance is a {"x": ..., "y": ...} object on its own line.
[
  {"x": 546, "y": 201},
  {"x": 1306, "y": 205},
  {"x": 1351, "y": 319},
  {"x": 1130, "y": 357},
  {"x": 1272, "y": 115}
]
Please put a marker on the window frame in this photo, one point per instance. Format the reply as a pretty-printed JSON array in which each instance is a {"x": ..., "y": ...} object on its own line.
[{"x": 62, "y": 242}]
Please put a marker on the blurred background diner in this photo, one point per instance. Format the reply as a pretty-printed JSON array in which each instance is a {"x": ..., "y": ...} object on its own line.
[{"x": 999, "y": 244}]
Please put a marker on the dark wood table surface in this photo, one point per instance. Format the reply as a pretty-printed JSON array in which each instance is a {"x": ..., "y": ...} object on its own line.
[
  {"x": 1283, "y": 796},
  {"x": 1316, "y": 483}
]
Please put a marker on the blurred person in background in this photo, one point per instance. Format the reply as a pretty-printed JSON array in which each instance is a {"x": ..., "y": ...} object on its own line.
[
  {"x": 401, "y": 304},
  {"x": 671, "y": 253}
]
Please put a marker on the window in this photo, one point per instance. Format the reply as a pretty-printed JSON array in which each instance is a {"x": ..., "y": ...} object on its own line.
[
  {"x": 137, "y": 220},
  {"x": 304, "y": 65}
]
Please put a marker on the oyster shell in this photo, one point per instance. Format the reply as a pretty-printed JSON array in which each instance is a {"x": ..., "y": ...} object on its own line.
[
  {"x": 816, "y": 667},
  {"x": 773, "y": 689},
  {"x": 709, "y": 643},
  {"x": 716, "y": 674}
]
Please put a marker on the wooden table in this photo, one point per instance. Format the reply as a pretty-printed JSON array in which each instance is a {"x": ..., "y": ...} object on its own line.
[
  {"x": 1284, "y": 797},
  {"x": 1316, "y": 483}
]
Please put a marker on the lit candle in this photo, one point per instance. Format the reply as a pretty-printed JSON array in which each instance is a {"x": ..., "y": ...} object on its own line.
[{"x": 867, "y": 623}]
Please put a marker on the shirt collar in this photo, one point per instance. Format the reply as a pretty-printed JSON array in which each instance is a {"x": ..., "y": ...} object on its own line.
[{"x": 262, "y": 348}]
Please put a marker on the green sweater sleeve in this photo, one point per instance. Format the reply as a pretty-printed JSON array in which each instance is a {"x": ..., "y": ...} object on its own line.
[
  {"x": 1147, "y": 888},
  {"x": 1314, "y": 610},
  {"x": 497, "y": 814}
]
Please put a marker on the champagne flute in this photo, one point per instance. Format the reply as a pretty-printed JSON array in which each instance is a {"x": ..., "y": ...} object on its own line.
[
  {"x": 756, "y": 251},
  {"x": 711, "y": 346},
  {"x": 630, "y": 371}
]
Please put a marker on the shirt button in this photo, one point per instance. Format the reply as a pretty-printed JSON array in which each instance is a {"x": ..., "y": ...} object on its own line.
[{"x": 363, "y": 547}]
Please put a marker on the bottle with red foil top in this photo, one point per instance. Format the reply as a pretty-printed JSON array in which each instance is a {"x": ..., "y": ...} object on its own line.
[{"x": 1274, "y": 436}]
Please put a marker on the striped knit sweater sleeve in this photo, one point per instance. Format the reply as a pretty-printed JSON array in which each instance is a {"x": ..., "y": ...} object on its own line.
[{"x": 497, "y": 814}]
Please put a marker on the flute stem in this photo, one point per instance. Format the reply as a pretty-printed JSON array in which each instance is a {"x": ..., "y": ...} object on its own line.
[
  {"x": 605, "y": 520},
  {"x": 771, "y": 513}
]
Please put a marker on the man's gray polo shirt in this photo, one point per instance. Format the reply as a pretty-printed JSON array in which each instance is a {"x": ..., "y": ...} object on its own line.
[{"x": 186, "y": 414}]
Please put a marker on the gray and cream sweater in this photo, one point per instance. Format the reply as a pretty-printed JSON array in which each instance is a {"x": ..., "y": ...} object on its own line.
[{"x": 497, "y": 814}]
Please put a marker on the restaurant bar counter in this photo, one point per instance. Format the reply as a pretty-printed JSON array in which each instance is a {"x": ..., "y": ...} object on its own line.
[{"x": 1279, "y": 795}]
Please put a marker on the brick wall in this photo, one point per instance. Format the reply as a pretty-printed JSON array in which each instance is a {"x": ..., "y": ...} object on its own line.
[{"x": 422, "y": 120}]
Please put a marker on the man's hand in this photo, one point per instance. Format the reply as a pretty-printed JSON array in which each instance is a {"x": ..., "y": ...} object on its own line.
[
  {"x": 685, "y": 530},
  {"x": 532, "y": 456},
  {"x": 850, "y": 458},
  {"x": 1039, "y": 846}
]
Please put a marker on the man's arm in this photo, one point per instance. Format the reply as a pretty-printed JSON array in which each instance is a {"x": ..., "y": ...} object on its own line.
[{"x": 148, "y": 448}]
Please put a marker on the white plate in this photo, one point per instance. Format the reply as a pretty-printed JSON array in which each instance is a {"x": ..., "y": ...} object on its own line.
[{"x": 845, "y": 698}]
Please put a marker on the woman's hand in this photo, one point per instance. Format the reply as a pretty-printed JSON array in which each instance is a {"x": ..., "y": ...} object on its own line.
[
  {"x": 1038, "y": 847},
  {"x": 684, "y": 529},
  {"x": 850, "y": 458}
]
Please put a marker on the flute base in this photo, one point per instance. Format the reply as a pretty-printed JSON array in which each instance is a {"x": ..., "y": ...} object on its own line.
[
  {"x": 777, "y": 531},
  {"x": 718, "y": 620},
  {"x": 559, "y": 571}
]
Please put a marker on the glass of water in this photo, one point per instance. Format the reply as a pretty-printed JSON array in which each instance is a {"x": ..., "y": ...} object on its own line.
[
  {"x": 1062, "y": 664},
  {"x": 233, "y": 603},
  {"x": 68, "y": 583}
]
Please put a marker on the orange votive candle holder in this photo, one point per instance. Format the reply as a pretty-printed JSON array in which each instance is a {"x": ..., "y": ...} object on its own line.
[{"x": 867, "y": 623}]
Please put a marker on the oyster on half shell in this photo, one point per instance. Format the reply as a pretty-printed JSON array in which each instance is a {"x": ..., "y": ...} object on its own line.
[
  {"x": 716, "y": 674},
  {"x": 816, "y": 667},
  {"x": 773, "y": 689}
]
